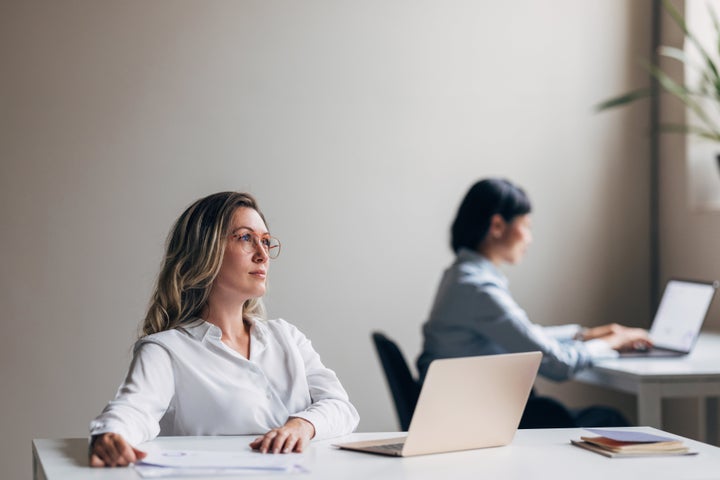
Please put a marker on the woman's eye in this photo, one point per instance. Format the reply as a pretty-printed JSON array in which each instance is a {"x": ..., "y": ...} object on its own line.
[
  {"x": 266, "y": 242},
  {"x": 245, "y": 238}
]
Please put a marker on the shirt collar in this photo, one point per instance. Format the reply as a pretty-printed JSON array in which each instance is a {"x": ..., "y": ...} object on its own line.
[
  {"x": 201, "y": 330},
  {"x": 466, "y": 255}
]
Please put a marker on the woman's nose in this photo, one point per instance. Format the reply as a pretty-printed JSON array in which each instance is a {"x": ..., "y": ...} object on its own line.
[{"x": 261, "y": 254}]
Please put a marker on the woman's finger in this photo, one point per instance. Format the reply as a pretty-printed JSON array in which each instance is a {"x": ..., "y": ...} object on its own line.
[
  {"x": 301, "y": 443},
  {"x": 291, "y": 444},
  {"x": 96, "y": 461},
  {"x": 139, "y": 454},
  {"x": 107, "y": 447},
  {"x": 126, "y": 455},
  {"x": 279, "y": 442},
  {"x": 267, "y": 441}
]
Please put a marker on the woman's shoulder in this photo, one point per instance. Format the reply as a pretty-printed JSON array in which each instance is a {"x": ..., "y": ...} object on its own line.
[
  {"x": 478, "y": 276},
  {"x": 173, "y": 336},
  {"x": 281, "y": 329},
  {"x": 276, "y": 325}
]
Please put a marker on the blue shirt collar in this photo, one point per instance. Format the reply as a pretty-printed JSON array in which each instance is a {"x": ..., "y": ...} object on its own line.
[{"x": 465, "y": 255}]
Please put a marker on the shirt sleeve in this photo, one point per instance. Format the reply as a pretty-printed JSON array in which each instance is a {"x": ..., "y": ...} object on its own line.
[
  {"x": 506, "y": 324},
  {"x": 330, "y": 412},
  {"x": 142, "y": 399},
  {"x": 562, "y": 332},
  {"x": 599, "y": 348}
]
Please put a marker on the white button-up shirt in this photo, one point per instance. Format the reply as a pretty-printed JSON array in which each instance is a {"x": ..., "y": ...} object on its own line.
[{"x": 188, "y": 382}]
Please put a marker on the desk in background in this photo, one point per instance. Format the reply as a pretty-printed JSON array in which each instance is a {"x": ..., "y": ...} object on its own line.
[
  {"x": 532, "y": 454},
  {"x": 652, "y": 379}
]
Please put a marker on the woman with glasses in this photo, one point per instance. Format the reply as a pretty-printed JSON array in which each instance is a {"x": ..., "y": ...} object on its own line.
[
  {"x": 207, "y": 362},
  {"x": 475, "y": 314}
]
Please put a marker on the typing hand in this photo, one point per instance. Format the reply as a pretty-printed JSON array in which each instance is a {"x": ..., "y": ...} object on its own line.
[
  {"x": 628, "y": 339},
  {"x": 294, "y": 436},
  {"x": 111, "y": 450}
]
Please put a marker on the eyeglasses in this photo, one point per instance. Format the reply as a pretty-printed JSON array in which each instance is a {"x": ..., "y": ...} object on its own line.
[{"x": 249, "y": 241}]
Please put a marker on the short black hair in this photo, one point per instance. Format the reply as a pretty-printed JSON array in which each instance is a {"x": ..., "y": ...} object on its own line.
[{"x": 486, "y": 198}]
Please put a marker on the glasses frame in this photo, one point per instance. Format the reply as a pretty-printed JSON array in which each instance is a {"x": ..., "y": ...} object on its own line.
[{"x": 272, "y": 252}]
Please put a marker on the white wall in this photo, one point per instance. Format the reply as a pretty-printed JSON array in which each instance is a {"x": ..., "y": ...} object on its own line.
[{"x": 358, "y": 125}]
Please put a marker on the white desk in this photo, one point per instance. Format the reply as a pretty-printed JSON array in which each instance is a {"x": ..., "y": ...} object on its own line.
[
  {"x": 532, "y": 454},
  {"x": 652, "y": 379}
]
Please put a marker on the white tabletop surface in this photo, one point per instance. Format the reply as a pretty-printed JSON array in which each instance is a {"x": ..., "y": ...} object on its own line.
[
  {"x": 695, "y": 374},
  {"x": 532, "y": 454}
]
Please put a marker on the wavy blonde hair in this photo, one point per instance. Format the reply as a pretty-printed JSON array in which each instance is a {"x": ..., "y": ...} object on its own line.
[{"x": 193, "y": 256}]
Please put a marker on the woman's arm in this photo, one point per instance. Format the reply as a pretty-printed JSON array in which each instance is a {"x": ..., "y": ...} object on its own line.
[
  {"x": 500, "y": 320},
  {"x": 133, "y": 415},
  {"x": 618, "y": 336},
  {"x": 329, "y": 412}
]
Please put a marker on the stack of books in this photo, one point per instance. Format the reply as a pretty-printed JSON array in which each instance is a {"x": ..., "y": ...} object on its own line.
[{"x": 624, "y": 443}]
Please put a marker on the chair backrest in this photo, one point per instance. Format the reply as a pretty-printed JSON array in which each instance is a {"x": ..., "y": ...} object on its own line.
[{"x": 404, "y": 387}]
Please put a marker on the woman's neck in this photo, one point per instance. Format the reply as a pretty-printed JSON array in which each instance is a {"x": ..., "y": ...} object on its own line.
[
  {"x": 488, "y": 252},
  {"x": 235, "y": 331},
  {"x": 226, "y": 312}
]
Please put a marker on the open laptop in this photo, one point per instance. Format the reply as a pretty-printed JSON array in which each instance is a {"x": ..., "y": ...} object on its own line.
[
  {"x": 465, "y": 403},
  {"x": 679, "y": 317}
]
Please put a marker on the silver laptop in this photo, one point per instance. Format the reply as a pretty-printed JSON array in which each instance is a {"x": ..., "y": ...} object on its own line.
[
  {"x": 679, "y": 317},
  {"x": 465, "y": 403}
]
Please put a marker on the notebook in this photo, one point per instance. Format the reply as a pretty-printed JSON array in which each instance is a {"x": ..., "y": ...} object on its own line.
[
  {"x": 465, "y": 403},
  {"x": 678, "y": 319}
]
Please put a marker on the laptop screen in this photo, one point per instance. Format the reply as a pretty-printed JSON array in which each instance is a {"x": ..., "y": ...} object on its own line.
[{"x": 681, "y": 313}]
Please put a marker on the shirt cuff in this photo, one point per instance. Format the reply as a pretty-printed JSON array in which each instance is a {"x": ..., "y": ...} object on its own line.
[
  {"x": 562, "y": 332},
  {"x": 598, "y": 349},
  {"x": 100, "y": 427}
]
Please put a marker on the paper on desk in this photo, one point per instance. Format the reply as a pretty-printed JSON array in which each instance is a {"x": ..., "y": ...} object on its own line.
[
  {"x": 629, "y": 436},
  {"x": 163, "y": 463}
]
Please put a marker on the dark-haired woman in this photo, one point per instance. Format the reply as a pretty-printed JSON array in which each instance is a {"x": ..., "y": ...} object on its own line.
[
  {"x": 208, "y": 363},
  {"x": 474, "y": 312}
]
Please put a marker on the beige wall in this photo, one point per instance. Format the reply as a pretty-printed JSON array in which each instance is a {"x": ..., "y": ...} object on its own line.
[{"x": 359, "y": 125}]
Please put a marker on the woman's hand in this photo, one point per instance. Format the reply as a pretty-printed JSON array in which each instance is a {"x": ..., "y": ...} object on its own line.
[
  {"x": 111, "y": 450},
  {"x": 294, "y": 436},
  {"x": 620, "y": 337},
  {"x": 601, "y": 331}
]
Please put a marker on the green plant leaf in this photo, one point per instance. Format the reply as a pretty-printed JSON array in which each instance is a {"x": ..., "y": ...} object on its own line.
[
  {"x": 680, "y": 21},
  {"x": 716, "y": 25},
  {"x": 699, "y": 99},
  {"x": 690, "y": 129},
  {"x": 673, "y": 52},
  {"x": 623, "y": 99},
  {"x": 682, "y": 93}
]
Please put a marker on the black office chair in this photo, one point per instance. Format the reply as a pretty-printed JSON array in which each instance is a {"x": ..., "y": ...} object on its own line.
[
  {"x": 404, "y": 387},
  {"x": 546, "y": 412}
]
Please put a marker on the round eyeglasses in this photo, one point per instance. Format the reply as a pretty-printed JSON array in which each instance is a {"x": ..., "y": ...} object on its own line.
[{"x": 249, "y": 241}]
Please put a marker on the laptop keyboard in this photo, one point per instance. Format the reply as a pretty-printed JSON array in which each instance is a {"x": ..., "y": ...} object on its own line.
[{"x": 390, "y": 447}]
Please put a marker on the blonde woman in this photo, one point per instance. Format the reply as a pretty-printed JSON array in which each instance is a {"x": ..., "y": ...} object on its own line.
[{"x": 207, "y": 362}]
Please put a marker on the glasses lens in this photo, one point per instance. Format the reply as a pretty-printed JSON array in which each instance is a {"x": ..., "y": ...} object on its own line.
[{"x": 273, "y": 247}]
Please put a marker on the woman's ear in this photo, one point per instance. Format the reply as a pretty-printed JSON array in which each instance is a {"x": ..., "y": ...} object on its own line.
[{"x": 497, "y": 227}]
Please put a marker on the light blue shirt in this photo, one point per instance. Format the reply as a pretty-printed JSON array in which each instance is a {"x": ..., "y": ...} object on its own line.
[{"x": 474, "y": 314}]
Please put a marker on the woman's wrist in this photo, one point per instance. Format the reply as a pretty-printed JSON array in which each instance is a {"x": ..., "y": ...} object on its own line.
[
  {"x": 582, "y": 334},
  {"x": 305, "y": 425}
]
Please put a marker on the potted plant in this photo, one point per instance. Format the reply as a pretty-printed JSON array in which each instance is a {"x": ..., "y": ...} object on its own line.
[{"x": 701, "y": 99}]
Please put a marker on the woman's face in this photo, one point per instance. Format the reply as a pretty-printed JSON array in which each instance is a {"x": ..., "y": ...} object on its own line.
[
  {"x": 513, "y": 239},
  {"x": 243, "y": 273}
]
